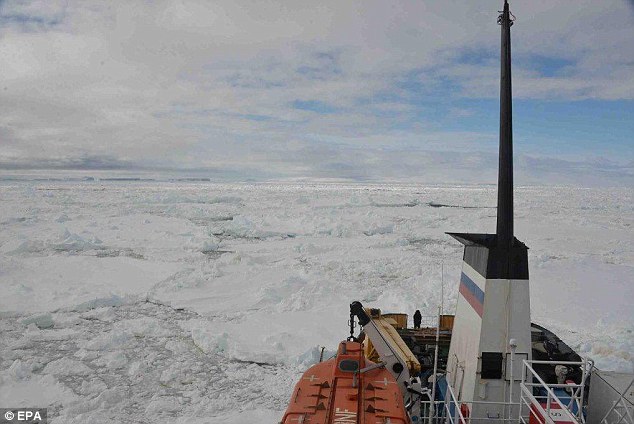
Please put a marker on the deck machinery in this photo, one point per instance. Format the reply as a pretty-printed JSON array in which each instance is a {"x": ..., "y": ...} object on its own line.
[{"x": 488, "y": 363}]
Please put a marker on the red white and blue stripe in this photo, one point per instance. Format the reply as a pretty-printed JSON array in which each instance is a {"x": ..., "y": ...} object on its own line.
[{"x": 472, "y": 293}]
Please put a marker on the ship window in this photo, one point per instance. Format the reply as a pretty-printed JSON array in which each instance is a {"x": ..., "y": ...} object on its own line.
[
  {"x": 491, "y": 365},
  {"x": 349, "y": 365}
]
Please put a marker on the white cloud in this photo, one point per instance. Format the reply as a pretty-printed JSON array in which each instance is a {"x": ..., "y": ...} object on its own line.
[{"x": 212, "y": 84}]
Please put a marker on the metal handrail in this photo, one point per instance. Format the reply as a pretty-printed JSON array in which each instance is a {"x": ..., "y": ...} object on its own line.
[
  {"x": 457, "y": 412},
  {"x": 442, "y": 406},
  {"x": 550, "y": 394},
  {"x": 529, "y": 404},
  {"x": 525, "y": 400}
]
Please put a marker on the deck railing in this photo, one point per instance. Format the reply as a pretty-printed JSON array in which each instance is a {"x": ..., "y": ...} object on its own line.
[
  {"x": 548, "y": 407},
  {"x": 538, "y": 402}
]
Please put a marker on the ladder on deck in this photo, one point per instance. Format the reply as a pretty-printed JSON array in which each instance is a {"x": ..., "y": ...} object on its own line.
[{"x": 547, "y": 407}]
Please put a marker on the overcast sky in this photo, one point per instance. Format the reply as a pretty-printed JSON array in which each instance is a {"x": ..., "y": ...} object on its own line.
[{"x": 368, "y": 90}]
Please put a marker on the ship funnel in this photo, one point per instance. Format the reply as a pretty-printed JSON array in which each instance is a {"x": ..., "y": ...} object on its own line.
[{"x": 505, "y": 167}]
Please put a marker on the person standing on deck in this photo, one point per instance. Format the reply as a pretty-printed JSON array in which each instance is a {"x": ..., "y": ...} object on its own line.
[{"x": 417, "y": 319}]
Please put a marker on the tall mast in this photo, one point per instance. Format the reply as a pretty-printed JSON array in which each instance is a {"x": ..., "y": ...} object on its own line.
[
  {"x": 504, "y": 232},
  {"x": 494, "y": 293}
]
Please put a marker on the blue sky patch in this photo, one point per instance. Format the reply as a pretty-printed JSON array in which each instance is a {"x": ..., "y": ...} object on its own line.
[{"x": 314, "y": 106}]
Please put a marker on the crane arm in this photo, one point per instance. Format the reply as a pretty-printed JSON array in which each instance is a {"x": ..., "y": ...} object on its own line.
[{"x": 392, "y": 350}]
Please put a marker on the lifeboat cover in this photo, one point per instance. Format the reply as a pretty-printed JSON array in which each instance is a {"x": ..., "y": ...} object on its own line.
[{"x": 335, "y": 392}]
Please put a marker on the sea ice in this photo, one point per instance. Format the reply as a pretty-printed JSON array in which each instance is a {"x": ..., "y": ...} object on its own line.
[{"x": 203, "y": 303}]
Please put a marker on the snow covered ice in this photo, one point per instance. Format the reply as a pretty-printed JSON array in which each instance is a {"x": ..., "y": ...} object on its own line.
[{"x": 184, "y": 302}]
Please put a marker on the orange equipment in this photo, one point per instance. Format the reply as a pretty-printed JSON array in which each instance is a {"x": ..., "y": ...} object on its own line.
[{"x": 346, "y": 389}]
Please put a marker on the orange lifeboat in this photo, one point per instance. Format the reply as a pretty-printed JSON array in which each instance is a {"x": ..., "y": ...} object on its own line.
[{"x": 345, "y": 390}]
